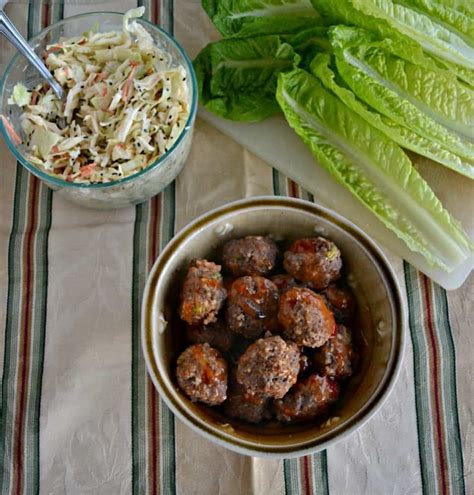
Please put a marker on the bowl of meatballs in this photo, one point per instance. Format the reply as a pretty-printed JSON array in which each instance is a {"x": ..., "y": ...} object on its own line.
[{"x": 273, "y": 326}]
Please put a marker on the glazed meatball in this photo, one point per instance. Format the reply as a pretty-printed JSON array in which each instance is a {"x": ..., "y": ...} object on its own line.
[
  {"x": 341, "y": 302},
  {"x": 217, "y": 335},
  {"x": 315, "y": 260},
  {"x": 269, "y": 367},
  {"x": 284, "y": 282},
  {"x": 203, "y": 293},
  {"x": 202, "y": 374},
  {"x": 252, "y": 306},
  {"x": 337, "y": 357},
  {"x": 307, "y": 399},
  {"x": 305, "y": 364},
  {"x": 252, "y": 255},
  {"x": 240, "y": 404},
  {"x": 305, "y": 318}
]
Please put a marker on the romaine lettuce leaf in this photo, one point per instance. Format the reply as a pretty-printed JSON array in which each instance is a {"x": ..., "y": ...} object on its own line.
[
  {"x": 393, "y": 20},
  {"x": 382, "y": 97},
  {"x": 461, "y": 22},
  {"x": 373, "y": 168},
  {"x": 435, "y": 92},
  {"x": 464, "y": 6},
  {"x": 237, "y": 78},
  {"x": 308, "y": 43},
  {"x": 320, "y": 67},
  {"x": 258, "y": 17}
]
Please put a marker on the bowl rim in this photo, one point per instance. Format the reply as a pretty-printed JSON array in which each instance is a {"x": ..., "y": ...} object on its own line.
[
  {"x": 247, "y": 447},
  {"x": 61, "y": 182}
]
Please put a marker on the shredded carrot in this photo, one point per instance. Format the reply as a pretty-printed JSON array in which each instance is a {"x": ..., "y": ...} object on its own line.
[
  {"x": 101, "y": 75},
  {"x": 12, "y": 133},
  {"x": 128, "y": 83},
  {"x": 53, "y": 49},
  {"x": 34, "y": 97},
  {"x": 88, "y": 170}
]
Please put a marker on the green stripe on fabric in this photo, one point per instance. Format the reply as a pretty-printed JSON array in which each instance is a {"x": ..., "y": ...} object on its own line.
[
  {"x": 291, "y": 472},
  {"x": 422, "y": 382},
  {"x": 138, "y": 365},
  {"x": 167, "y": 16},
  {"x": 279, "y": 183},
  {"x": 450, "y": 403},
  {"x": 39, "y": 316},
  {"x": 320, "y": 473},
  {"x": 10, "y": 338},
  {"x": 167, "y": 419}
]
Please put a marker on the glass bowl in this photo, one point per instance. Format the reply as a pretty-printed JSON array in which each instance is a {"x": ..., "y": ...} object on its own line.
[{"x": 129, "y": 190}]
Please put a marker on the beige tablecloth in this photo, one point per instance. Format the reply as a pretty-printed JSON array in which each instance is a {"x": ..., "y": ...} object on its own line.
[{"x": 80, "y": 416}]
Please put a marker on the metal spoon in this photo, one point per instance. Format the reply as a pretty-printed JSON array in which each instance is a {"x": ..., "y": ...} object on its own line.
[{"x": 12, "y": 34}]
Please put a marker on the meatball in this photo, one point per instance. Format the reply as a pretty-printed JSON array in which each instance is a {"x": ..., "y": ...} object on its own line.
[
  {"x": 284, "y": 282},
  {"x": 315, "y": 260},
  {"x": 203, "y": 293},
  {"x": 202, "y": 374},
  {"x": 341, "y": 302},
  {"x": 252, "y": 306},
  {"x": 240, "y": 404},
  {"x": 305, "y": 364},
  {"x": 269, "y": 367},
  {"x": 217, "y": 335},
  {"x": 336, "y": 358},
  {"x": 252, "y": 255},
  {"x": 307, "y": 399},
  {"x": 305, "y": 318}
]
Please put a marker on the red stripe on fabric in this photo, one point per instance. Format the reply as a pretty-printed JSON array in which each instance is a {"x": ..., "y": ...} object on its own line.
[
  {"x": 307, "y": 485},
  {"x": 155, "y": 12},
  {"x": 155, "y": 205},
  {"x": 440, "y": 441},
  {"x": 24, "y": 351},
  {"x": 45, "y": 14},
  {"x": 293, "y": 189}
]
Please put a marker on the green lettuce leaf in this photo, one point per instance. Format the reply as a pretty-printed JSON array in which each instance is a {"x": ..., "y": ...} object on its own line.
[
  {"x": 435, "y": 92},
  {"x": 258, "y": 17},
  {"x": 459, "y": 22},
  {"x": 464, "y": 6},
  {"x": 382, "y": 96},
  {"x": 373, "y": 168},
  {"x": 308, "y": 43},
  {"x": 237, "y": 78},
  {"x": 320, "y": 67},
  {"x": 393, "y": 20}
]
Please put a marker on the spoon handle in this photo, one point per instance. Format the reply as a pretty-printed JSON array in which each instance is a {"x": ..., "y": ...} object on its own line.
[{"x": 15, "y": 38}]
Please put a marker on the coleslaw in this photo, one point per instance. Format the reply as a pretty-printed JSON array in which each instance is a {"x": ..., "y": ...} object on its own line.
[{"x": 125, "y": 106}]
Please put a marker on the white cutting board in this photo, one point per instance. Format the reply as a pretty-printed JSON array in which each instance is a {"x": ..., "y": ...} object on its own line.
[{"x": 274, "y": 142}]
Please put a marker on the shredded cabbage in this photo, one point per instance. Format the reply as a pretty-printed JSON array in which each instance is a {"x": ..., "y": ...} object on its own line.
[{"x": 125, "y": 105}]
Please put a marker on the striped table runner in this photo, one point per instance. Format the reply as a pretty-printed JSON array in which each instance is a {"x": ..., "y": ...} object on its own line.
[{"x": 78, "y": 412}]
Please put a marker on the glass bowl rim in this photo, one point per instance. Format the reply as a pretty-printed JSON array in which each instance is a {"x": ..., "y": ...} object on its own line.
[{"x": 61, "y": 182}]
